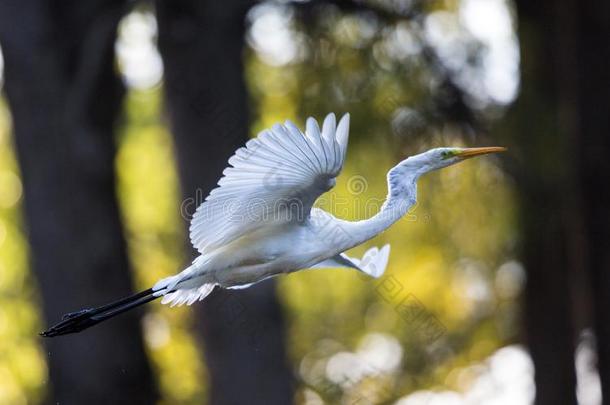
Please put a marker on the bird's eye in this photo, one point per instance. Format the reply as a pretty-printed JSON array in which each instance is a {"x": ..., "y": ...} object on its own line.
[{"x": 446, "y": 154}]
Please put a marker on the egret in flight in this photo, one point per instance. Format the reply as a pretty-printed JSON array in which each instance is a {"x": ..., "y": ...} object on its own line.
[{"x": 260, "y": 221}]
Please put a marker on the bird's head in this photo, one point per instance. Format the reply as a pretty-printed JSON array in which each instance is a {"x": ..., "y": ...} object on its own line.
[{"x": 442, "y": 157}]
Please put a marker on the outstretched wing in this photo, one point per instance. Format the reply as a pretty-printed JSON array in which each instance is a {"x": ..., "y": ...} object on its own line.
[
  {"x": 274, "y": 179},
  {"x": 373, "y": 263}
]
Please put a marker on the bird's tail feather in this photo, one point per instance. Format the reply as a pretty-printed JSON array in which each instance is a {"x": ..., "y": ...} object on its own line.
[
  {"x": 74, "y": 322},
  {"x": 185, "y": 287},
  {"x": 188, "y": 296}
]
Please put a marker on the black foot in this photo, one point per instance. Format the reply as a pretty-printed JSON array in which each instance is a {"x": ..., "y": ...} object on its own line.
[{"x": 72, "y": 322}]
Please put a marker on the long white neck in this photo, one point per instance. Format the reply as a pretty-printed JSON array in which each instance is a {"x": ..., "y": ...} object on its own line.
[{"x": 402, "y": 195}]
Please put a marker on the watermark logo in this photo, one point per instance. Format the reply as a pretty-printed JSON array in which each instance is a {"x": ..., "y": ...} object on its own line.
[{"x": 357, "y": 185}]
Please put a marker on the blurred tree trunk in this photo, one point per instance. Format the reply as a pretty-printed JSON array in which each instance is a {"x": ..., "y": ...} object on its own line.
[
  {"x": 202, "y": 46},
  {"x": 64, "y": 98},
  {"x": 561, "y": 127},
  {"x": 544, "y": 175}
]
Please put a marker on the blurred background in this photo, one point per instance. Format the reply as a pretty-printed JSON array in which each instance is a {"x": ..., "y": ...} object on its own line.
[{"x": 117, "y": 118}]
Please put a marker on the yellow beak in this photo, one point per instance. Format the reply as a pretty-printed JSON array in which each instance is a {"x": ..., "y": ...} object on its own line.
[{"x": 472, "y": 152}]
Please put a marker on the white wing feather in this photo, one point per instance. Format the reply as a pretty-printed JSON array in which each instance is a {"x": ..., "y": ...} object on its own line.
[
  {"x": 275, "y": 178},
  {"x": 373, "y": 262}
]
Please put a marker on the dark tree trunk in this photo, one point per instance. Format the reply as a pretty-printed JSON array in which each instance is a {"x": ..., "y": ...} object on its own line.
[
  {"x": 591, "y": 58},
  {"x": 202, "y": 45},
  {"x": 543, "y": 170},
  {"x": 64, "y": 98},
  {"x": 562, "y": 124}
]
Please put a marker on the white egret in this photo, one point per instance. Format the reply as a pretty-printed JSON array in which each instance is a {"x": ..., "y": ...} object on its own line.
[{"x": 260, "y": 220}]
